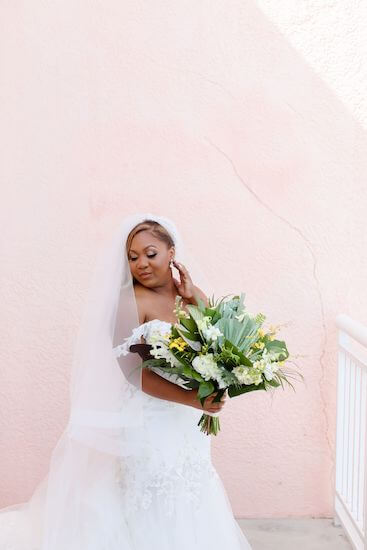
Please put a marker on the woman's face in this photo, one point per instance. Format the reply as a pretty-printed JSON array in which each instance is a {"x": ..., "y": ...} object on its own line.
[{"x": 148, "y": 255}]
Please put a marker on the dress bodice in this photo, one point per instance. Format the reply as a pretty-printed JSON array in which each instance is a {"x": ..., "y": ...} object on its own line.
[{"x": 144, "y": 330}]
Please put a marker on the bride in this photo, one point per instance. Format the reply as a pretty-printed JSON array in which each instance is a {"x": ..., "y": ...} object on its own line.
[{"x": 132, "y": 470}]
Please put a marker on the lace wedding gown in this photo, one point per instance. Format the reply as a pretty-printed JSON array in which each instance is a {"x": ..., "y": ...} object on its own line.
[{"x": 168, "y": 496}]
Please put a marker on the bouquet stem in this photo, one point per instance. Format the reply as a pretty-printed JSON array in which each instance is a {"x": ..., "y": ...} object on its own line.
[{"x": 209, "y": 424}]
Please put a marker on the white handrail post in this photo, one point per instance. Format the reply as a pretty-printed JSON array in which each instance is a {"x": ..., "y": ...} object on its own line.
[{"x": 365, "y": 493}]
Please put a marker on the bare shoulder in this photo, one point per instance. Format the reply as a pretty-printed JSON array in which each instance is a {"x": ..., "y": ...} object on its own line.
[{"x": 201, "y": 294}]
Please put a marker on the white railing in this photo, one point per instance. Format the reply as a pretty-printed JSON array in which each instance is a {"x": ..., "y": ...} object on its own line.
[{"x": 350, "y": 504}]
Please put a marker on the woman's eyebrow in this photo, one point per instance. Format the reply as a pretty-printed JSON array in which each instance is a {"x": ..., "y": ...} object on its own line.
[{"x": 131, "y": 250}]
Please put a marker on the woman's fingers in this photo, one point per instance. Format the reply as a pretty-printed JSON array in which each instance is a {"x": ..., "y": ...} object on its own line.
[
  {"x": 182, "y": 270},
  {"x": 215, "y": 406}
]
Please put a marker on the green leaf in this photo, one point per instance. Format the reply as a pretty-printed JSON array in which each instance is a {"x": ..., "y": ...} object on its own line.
[
  {"x": 171, "y": 370},
  {"x": 273, "y": 383},
  {"x": 189, "y": 324},
  {"x": 153, "y": 363},
  {"x": 241, "y": 334},
  {"x": 278, "y": 346},
  {"x": 195, "y": 313},
  {"x": 205, "y": 389},
  {"x": 191, "y": 373},
  {"x": 201, "y": 303},
  {"x": 236, "y": 351},
  {"x": 192, "y": 339},
  {"x": 194, "y": 384},
  {"x": 181, "y": 359},
  {"x": 233, "y": 391}
]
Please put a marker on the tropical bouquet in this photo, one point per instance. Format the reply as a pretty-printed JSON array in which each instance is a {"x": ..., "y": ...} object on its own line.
[{"x": 219, "y": 348}]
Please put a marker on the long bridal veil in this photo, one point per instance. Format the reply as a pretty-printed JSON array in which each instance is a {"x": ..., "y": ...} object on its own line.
[{"x": 105, "y": 415}]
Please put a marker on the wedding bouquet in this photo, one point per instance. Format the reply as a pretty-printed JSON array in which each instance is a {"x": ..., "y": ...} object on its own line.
[{"x": 218, "y": 348}]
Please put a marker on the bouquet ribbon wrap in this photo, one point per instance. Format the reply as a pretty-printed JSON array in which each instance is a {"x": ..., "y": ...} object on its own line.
[{"x": 142, "y": 349}]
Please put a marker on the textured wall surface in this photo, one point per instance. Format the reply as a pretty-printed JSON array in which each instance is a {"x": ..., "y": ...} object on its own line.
[{"x": 242, "y": 123}]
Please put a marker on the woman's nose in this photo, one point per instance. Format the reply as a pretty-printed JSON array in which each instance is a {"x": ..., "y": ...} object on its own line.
[{"x": 142, "y": 263}]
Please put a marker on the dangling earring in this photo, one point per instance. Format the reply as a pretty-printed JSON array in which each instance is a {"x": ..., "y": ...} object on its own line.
[{"x": 171, "y": 263}]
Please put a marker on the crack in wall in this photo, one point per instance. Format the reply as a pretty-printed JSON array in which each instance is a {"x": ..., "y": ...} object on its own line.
[{"x": 317, "y": 284}]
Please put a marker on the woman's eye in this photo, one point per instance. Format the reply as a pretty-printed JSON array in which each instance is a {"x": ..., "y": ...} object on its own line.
[{"x": 149, "y": 256}]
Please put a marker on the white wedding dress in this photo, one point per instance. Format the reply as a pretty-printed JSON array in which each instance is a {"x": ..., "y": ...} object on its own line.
[{"x": 167, "y": 496}]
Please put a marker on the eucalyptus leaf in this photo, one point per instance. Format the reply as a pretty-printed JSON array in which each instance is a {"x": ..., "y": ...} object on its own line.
[{"x": 241, "y": 334}]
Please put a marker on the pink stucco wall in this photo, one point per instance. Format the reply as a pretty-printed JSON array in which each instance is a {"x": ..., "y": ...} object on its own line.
[{"x": 203, "y": 113}]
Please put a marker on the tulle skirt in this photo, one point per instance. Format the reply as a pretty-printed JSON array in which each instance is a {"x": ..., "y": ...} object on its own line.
[{"x": 167, "y": 495}]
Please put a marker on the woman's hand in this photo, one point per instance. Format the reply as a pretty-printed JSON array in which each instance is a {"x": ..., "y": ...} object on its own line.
[
  {"x": 185, "y": 288},
  {"x": 208, "y": 406}
]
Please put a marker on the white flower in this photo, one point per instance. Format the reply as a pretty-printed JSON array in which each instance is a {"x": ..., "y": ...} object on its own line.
[
  {"x": 247, "y": 375},
  {"x": 203, "y": 323},
  {"x": 270, "y": 356},
  {"x": 212, "y": 333},
  {"x": 208, "y": 368},
  {"x": 270, "y": 369},
  {"x": 157, "y": 336},
  {"x": 209, "y": 331},
  {"x": 260, "y": 365},
  {"x": 267, "y": 365},
  {"x": 159, "y": 342}
]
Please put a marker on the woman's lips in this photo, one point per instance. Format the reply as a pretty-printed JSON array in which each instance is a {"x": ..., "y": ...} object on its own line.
[{"x": 144, "y": 275}]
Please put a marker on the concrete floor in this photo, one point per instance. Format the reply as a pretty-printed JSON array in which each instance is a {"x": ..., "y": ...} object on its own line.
[{"x": 294, "y": 534}]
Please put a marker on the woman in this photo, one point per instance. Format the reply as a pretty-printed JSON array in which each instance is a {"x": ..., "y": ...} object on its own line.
[
  {"x": 132, "y": 470},
  {"x": 150, "y": 250}
]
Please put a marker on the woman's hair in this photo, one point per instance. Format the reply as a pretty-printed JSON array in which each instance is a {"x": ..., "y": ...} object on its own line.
[{"x": 153, "y": 227}]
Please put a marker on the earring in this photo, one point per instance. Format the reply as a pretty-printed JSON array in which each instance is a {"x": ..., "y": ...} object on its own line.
[{"x": 171, "y": 263}]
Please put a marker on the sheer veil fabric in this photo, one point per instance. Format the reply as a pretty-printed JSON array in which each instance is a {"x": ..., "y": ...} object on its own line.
[{"x": 106, "y": 413}]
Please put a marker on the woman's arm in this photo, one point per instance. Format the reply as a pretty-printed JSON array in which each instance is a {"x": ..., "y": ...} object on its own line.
[
  {"x": 157, "y": 386},
  {"x": 201, "y": 294},
  {"x": 160, "y": 387}
]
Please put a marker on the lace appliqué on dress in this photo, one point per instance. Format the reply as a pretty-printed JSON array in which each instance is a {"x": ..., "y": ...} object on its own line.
[{"x": 142, "y": 481}]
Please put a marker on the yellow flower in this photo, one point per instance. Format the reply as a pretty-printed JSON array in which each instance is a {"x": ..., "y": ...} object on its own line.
[
  {"x": 178, "y": 343},
  {"x": 259, "y": 345},
  {"x": 261, "y": 333}
]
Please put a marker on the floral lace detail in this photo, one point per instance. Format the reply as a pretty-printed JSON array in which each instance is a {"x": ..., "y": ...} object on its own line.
[{"x": 142, "y": 480}]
